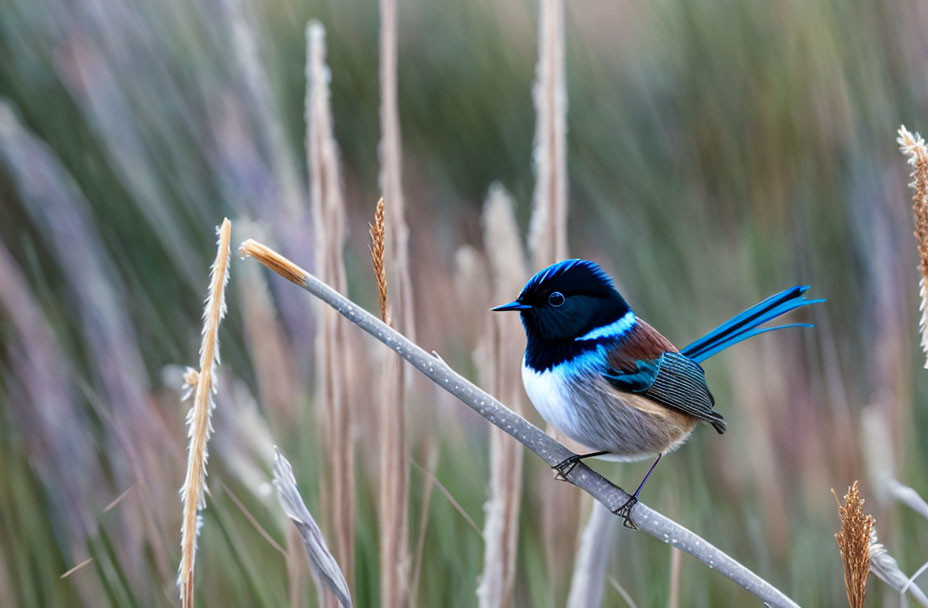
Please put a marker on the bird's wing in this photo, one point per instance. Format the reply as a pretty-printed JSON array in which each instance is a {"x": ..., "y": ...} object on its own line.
[{"x": 647, "y": 364}]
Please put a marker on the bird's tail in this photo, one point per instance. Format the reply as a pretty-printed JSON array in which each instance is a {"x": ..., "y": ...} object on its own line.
[{"x": 747, "y": 324}]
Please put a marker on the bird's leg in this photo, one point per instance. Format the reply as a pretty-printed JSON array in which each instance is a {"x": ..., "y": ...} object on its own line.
[
  {"x": 625, "y": 510},
  {"x": 564, "y": 467}
]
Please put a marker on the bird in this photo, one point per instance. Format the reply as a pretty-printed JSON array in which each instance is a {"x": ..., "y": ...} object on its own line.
[{"x": 602, "y": 376}]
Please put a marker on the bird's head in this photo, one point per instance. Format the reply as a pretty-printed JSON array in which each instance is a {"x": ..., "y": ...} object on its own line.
[{"x": 568, "y": 300}]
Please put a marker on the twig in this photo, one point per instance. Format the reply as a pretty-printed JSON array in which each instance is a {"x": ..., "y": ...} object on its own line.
[
  {"x": 646, "y": 519},
  {"x": 75, "y": 568},
  {"x": 448, "y": 496},
  {"x": 253, "y": 521}
]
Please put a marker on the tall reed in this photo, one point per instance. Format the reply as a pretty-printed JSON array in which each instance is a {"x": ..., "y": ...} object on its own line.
[
  {"x": 332, "y": 357},
  {"x": 547, "y": 239},
  {"x": 548, "y": 229},
  {"x": 394, "y": 474},
  {"x": 498, "y": 361},
  {"x": 199, "y": 427}
]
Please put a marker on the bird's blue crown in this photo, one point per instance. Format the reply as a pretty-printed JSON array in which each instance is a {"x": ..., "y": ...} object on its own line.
[{"x": 570, "y": 308}]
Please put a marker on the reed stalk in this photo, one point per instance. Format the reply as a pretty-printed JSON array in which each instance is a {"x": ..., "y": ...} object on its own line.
[
  {"x": 547, "y": 240},
  {"x": 498, "y": 362},
  {"x": 333, "y": 354},
  {"x": 394, "y": 472},
  {"x": 199, "y": 427},
  {"x": 548, "y": 229},
  {"x": 588, "y": 582},
  {"x": 545, "y": 447}
]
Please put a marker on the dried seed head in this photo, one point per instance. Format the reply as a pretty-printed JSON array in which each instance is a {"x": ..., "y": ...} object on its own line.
[
  {"x": 854, "y": 544},
  {"x": 378, "y": 232},
  {"x": 913, "y": 146}
]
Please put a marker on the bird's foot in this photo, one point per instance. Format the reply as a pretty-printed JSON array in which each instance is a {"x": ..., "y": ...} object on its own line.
[
  {"x": 564, "y": 467},
  {"x": 625, "y": 512}
]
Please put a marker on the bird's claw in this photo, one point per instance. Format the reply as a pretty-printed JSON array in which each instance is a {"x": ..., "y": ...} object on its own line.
[
  {"x": 564, "y": 467},
  {"x": 625, "y": 512}
]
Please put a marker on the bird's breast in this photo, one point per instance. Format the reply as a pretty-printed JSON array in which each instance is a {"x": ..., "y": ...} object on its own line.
[{"x": 575, "y": 399}]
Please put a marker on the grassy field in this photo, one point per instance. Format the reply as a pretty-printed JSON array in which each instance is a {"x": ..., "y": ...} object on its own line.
[{"x": 716, "y": 153}]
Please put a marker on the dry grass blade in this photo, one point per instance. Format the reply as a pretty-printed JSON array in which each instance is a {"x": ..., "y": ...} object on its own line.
[
  {"x": 913, "y": 146},
  {"x": 885, "y": 568},
  {"x": 854, "y": 544},
  {"x": 199, "y": 426},
  {"x": 378, "y": 232},
  {"x": 324, "y": 566}
]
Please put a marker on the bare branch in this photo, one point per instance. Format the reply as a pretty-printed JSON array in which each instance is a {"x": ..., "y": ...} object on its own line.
[{"x": 646, "y": 519}]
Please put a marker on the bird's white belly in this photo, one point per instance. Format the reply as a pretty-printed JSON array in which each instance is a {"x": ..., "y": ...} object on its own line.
[
  {"x": 550, "y": 394},
  {"x": 575, "y": 400}
]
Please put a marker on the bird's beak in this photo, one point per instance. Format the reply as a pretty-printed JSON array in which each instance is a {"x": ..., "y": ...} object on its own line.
[{"x": 511, "y": 306}]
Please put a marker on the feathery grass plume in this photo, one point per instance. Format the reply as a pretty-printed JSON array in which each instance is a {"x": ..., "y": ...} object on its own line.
[
  {"x": 378, "y": 233},
  {"x": 588, "y": 582},
  {"x": 913, "y": 146},
  {"x": 548, "y": 229},
  {"x": 884, "y": 567},
  {"x": 394, "y": 477},
  {"x": 332, "y": 357},
  {"x": 854, "y": 544},
  {"x": 324, "y": 566},
  {"x": 498, "y": 360},
  {"x": 199, "y": 427}
]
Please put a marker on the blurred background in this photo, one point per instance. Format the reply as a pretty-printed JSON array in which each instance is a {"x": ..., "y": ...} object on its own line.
[{"x": 717, "y": 153}]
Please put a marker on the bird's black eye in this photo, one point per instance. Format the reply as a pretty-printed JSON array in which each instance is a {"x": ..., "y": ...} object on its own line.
[{"x": 556, "y": 299}]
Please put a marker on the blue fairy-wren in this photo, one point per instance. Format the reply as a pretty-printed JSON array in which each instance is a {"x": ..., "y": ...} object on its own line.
[{"x": 605, "y": 378}]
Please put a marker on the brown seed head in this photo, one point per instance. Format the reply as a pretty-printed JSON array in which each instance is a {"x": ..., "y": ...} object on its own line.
[
  {"x": 854, "y": 544},
  {"x": 378, "y": 232}
]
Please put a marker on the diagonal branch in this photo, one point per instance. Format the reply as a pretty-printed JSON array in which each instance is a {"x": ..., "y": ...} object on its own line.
[{"x": 646, "y": 519}]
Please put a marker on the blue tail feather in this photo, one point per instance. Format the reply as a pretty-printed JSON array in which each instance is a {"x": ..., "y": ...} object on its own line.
[{"x": 746, "y": 325}]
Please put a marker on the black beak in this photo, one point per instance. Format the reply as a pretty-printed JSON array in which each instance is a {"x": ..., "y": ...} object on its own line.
[{"x": 511, "y": 306}]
